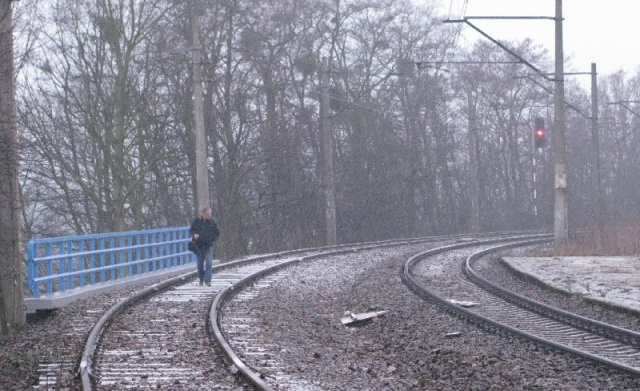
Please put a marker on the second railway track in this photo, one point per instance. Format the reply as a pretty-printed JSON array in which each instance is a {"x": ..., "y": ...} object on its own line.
[{"x": 501, "y": 309}]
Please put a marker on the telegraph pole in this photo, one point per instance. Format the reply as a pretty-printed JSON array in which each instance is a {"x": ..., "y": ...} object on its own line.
[
  {"x": 202, "y": 175},
  {"x": 327, "y": 156},
  {"x": 561, "y": 221}
]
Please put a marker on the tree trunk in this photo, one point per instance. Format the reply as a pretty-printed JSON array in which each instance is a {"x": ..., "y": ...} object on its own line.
[{"x": 11, "y": 306}]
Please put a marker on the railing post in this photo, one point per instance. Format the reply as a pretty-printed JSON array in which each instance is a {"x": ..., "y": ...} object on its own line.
[
  {"x": 49, "y": 268},
  {"x": 154, "y": 250},
  {"x": 103, "y": 261},
  {"x": 92, "y": 261},
  {"x": 138, "y": 242},
  {"x": 129, "y": 256},
  {"x": 61, "y": 269},
  {"x": 81, "y": 262},
  {"x": 32, "y": 268},
  {"x": 112, "y": 258},
  {"x": 146, "y": 252},
  {"x": 69, "y": 264},
  {"x": 120, "y": 259}
]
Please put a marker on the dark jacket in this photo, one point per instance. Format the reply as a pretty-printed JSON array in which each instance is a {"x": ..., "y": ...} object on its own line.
[{"x": 207, "y": 230}]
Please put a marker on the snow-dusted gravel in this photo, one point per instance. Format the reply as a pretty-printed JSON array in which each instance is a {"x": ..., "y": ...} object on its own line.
[
  {"x": 57, "y": 340},
  {"x": 408, "y": 348},
  {"x": 492, "y": 269}
]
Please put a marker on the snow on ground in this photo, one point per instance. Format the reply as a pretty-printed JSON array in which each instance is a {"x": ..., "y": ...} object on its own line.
[{"x": 614, "y": 280}]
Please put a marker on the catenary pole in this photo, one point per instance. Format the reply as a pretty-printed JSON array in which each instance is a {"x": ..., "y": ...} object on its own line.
[
  {"x": 202, "y": 175},
  {"x": 561, "y": 218},
  {"x": 473, "y": 163},
  {"x": 327, "y": 157},
  {"x": 595, "y": 137}
]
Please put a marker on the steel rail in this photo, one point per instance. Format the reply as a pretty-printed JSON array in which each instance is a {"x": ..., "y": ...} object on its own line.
[
  {"x": 254, "y": 377},
  {"x": 86, "y": 362},
  {"x": 85, "y": 368},
  {"x": 591, "y": 325},
  {"x": 493, "y": 325}
]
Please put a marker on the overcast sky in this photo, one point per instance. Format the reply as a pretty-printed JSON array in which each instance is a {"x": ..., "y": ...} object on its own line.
[{"x": 604, "y": 32}]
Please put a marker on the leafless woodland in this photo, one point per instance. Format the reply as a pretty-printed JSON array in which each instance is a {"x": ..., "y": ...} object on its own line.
[{"x": 421, "y": 144}]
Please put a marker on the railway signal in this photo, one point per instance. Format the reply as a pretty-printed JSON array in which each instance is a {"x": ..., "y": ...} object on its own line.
[{"x": 539, "y": 137}]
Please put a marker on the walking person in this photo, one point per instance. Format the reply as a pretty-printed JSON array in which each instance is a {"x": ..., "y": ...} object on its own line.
[{"x": 204, "y": 232}]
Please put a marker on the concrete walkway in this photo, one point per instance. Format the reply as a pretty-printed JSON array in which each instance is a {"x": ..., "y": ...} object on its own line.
[{"x": 611, "y": 280}]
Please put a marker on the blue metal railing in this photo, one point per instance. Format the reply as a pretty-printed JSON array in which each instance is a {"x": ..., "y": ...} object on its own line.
[{"x": 63, "y": 263}]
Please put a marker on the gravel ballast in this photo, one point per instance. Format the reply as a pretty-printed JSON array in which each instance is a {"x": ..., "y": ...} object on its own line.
[{"x": 409, "y": 348}]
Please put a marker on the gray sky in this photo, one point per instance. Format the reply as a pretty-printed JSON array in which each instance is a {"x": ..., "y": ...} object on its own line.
[{"x": 604, "y": 32}]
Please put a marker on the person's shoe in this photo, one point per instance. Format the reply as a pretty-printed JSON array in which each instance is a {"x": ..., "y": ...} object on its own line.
[
  {"x": 208, "y": 284},
  {"x": 200, "y": 283}
]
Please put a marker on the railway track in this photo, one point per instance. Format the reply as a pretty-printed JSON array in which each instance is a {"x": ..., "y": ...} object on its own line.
[
  {"x": 197, "y": 363},
  {"x": 156, "y": 337},
  {"x": 162, "y": 336},
  {"x": 497, "y": 309}
]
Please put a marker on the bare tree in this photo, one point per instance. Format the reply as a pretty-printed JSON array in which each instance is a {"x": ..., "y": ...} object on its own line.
[
  {"x": 620, "y": 128},
  {"x": 94, "y": 116},
  {"x": 108, "y": 124}
]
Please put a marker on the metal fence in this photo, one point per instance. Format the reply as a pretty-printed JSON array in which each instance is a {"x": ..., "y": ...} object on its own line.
[{"x": 64, "y": 263}]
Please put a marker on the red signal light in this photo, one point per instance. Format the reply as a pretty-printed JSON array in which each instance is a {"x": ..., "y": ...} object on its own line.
[{"x": 539, "y": 139}]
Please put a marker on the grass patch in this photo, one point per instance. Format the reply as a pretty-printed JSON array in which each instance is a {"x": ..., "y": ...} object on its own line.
[{"x": 611, "y": 241}]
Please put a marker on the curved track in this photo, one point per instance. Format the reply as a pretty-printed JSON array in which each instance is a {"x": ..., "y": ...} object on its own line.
[
  {"x": 234, "y": 332},
  {"x": 155, "y": 337},
  {"x": 498, "y": 309},
  {"x": 161, "y": 336}
]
